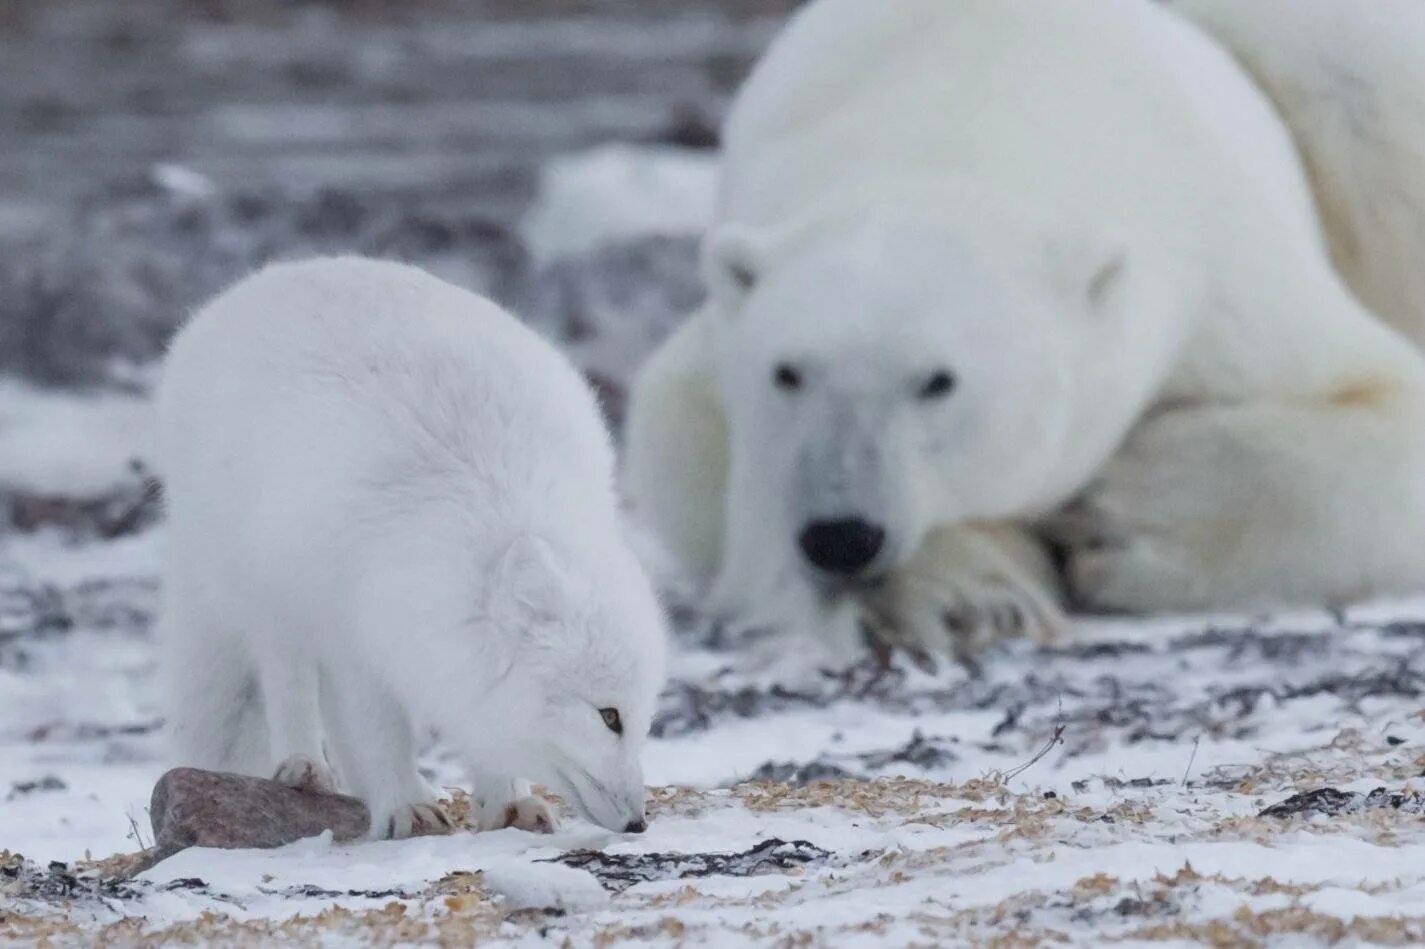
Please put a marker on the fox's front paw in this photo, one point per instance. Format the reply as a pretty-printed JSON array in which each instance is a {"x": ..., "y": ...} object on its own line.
[
  {"x": 532, "y": 813},
  {"x": 501, "y": 802},
  {"x": 425, "y": 819},
  {"x": 306, "y": 774},
  {"x": 957, "y": 617}
]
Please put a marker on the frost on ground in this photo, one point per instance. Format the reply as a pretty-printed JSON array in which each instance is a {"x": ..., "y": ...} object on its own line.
[{"x": 1229, "y": 780}]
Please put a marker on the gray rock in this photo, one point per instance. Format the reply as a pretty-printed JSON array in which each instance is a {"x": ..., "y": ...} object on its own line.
[{"x": 193, "y": 808}]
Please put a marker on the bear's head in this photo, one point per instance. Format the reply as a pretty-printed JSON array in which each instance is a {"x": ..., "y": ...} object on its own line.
[{"x": 884, "y": 372}]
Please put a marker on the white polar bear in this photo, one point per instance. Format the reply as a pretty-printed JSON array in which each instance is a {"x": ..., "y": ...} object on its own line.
[
  {"x": 392, "y": 505},
  {"x": 974, "y": 259}
]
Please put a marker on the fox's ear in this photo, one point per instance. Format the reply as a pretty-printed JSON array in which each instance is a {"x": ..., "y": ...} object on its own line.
[
  {"x": 733, "y": 259},
  {"x": 531, "y": 578}
]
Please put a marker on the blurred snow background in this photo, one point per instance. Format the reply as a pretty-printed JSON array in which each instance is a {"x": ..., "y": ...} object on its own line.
[
  {"x": 558, "y": 155},
  {"x": 555, "y": 155}
]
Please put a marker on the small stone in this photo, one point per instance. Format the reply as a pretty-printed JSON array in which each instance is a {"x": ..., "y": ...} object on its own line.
[{"x": 193, "y": 808}]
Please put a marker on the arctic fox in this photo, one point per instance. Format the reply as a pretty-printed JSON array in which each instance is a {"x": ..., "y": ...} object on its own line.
[{"x": 391, "y": 505}]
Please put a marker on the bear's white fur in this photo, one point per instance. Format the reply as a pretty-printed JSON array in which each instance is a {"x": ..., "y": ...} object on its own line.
[
  {"x": 1350, "y": 79},
  {"x": 1097, "y": 220},
  {"x": 391, "y": 506}
]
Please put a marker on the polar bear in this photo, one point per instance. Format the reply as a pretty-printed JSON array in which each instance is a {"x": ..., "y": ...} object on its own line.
[
  {"x": 982, "y": 268},
  {"x": 392, "y": 505}
]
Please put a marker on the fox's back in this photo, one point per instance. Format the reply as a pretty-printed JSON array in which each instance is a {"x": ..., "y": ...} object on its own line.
[{"x": 321, "y": 399}]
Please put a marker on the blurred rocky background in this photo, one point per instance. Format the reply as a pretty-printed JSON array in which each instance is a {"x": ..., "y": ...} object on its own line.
[{"x": 554, "y": 153}]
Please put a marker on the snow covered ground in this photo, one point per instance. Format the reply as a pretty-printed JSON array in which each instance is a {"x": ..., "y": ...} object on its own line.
[{"x": 1110, "y": 789}]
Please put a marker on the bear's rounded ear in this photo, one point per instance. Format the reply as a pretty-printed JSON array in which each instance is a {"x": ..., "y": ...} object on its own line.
[
  {"x": 1105, "y": 279},
  {"x": 732, "y": 265},
  {"x": 1091, "y": 270}
]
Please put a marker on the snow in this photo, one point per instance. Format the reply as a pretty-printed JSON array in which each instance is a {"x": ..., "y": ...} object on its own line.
[
  {"x": 616, "y": 192},
  {"x": 505, "y": 857},
  {"x": 70, "y": 445}
]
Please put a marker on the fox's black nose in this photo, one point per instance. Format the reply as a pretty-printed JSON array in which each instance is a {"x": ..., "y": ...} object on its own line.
[
  {"x": 843, "y": 547},
  {"x": 636, "y": 827}
]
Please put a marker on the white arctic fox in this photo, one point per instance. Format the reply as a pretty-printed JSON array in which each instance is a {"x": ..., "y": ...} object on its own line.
[{"x": 392, "y": 505}]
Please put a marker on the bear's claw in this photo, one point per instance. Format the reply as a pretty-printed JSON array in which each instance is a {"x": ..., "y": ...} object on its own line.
[{"x": 927, "y": 620}]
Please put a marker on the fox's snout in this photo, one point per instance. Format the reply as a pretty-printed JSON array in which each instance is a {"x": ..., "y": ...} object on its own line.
[
  {"x": 632, "y": 818},
  {"x": 615, "y": 804}
]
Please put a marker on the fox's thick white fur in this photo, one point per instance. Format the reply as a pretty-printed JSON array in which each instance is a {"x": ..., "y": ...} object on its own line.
[
  {"x": 391, "y": 507},
  {"x": 1102, "y": 223}
]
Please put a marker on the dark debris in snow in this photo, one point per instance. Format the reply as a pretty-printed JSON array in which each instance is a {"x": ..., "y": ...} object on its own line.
[
  {"x": 1096, "y": 692},
  {"x": 1329, "y": 802},
  {"x": 128, "y": 508},
  {"x": 32, "y": 612},
  {"x": 41, "y": 785},
  {"x": 918, "y": 755},
  {"x": 58, "y": 882},
  {"x": 618, "y": 872},
  {"x": 789, "y": 772}
]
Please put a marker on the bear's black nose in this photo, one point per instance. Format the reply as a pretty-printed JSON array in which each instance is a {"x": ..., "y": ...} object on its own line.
[
  {"x": 636, "y": 827},
  {"x": 843, "y": 547}
]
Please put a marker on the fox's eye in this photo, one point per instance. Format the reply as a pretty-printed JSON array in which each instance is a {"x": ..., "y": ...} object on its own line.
[
  {"x": 940, "y": 384},
  {"x": 611, "y": 718}
]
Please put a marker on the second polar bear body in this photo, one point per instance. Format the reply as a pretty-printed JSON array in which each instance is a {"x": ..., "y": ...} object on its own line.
[
  {"x": 391, "y": 507},
  {"x": 1098, "y": 226}
]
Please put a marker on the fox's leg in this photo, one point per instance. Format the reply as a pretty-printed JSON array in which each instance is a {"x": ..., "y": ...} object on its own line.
[
  {"x": 214, "y": 703},
  {"x": 373, "y": 746},
  {"x": 499, "y": 801},
  {"x": 294, "y": 725},
  {"x": 966, "y": 586},
  {"x": 1258, "y": 504}
]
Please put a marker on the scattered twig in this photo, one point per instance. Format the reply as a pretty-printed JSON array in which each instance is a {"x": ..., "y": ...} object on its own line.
[
  {"x": 1191, "y": 758},
  {"x": 135, "y": 834},
  {"x": 1054, "y": 740}
]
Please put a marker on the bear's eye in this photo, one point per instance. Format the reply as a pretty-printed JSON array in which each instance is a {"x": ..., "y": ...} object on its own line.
[
  {"x": 940, "y": 384},
  {"x": 787, "y": 378},
  {"x": 612, "y": 720}
]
